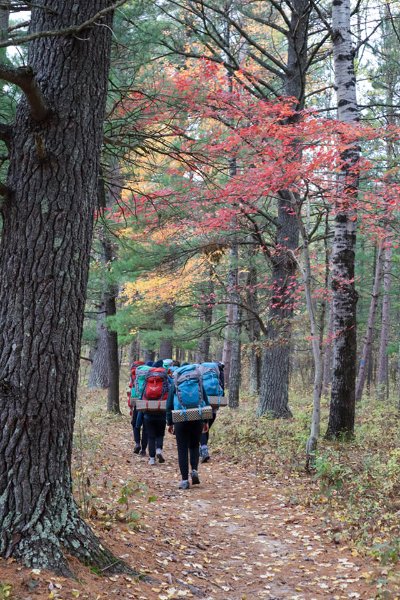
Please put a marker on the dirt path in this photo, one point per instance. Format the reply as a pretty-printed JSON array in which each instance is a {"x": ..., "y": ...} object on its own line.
[{"x": 234, "y": 537}]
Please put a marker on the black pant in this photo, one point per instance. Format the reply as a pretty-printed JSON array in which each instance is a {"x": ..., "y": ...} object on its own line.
[
  {"x": 204, "y": 436},
  {"x": 187, "y": 440},
  {"x": 155, "y": 424},
  {"x": 136, "y": 431}
]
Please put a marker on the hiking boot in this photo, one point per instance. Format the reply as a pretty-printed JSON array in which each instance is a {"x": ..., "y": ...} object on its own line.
[
  {"x": 143, "y": 453},
  {"x": 160, "y": 457},
  {"x": 195, "y": 477},
  {"x": 152, "y": 461},
  {"x": 136, "y": 449},
  {"x": 184, "y": 485},
  {"x": 204, "y": 455}
]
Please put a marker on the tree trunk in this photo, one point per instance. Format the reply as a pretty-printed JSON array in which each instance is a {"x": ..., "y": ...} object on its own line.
[
  {"x": 110, "y": 293},
  {"x": 312, "y": 441},
  {"x": 274, "y": 396},
  {"x": 206, "y": 315},
  {"x": 227, "y": 348},
  {"x": 253, "y": 330},
  {"x": 168, "y": 317},
  {"x": 366, "y": 351},
  {"x": 235, "y": 359},
  {"x": 99, "y": 371},
  {"x": 382, "y": 375},
  {"x": 344, "y": 300},
  {"x": 44, "y": 260},
  {"x": 149, "y": 355}
]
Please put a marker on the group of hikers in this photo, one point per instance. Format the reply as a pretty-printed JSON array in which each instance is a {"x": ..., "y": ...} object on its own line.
[{"x": 185, "y": 399}]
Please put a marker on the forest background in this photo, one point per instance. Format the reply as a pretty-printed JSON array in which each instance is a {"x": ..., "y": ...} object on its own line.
[{"x": 247, "y": 211}]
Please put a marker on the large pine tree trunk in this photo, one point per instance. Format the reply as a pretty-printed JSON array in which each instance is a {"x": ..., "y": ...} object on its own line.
[
  {"x": 342, "y": 405},
  {"x": 44, "y": 260},
  {"x": 274, "y": 396}
]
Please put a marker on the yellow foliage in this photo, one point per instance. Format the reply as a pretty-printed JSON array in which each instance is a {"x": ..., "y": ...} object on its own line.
[{"x": 158, "y": 287}]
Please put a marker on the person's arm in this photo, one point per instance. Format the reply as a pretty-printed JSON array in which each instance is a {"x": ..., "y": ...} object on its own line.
[{"x": 170, "y": 404}]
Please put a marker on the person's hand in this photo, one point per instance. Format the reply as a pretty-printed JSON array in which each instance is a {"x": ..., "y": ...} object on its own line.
[
  {"x": 170, "y": 429},
  {"x": 205, "y": 427}
]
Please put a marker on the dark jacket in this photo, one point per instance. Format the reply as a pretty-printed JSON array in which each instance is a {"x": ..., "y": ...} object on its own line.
[{"x": 170, "y": 402}]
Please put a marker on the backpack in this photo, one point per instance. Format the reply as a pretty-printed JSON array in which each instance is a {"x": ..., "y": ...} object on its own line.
[
  {"x": 134, "y": 366},
  {"x": 210, "y": 374},
  {"x": 140, "y": 381},
  {"x": 155, "y": 384},
  {"x": 188, "y": 388}
]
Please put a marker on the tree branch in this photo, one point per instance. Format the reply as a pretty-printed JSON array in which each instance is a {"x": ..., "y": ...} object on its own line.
[
  {"x": 24, "y": 78},
  {"x": 73, "y": 29}
]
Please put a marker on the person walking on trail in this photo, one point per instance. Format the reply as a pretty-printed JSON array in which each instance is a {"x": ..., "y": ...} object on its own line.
[
  {"x": 140, "y": 437},
  {"x": 187, "y": 434},
  {"x": 155, "y": 422},
  {"x": 204, "y": 452}
]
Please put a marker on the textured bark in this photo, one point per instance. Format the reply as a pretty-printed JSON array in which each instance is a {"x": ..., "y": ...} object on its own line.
[
  {"x": 149, "y": 355},
  {"x": 166, "y": 345},
  {"x": 253, "y": 330},
  {"x": 235, "y": 358},
  {"x": 382, "y": 374},
  {"x": 110, "y": 293},
  {"x": 44, "y": 259},
  {"x": 316, "y": 351},
  {"x": 367, "y": 346},
  {"x": 99, "y": 372},
  {"x": 274, "y": 396},
  {"x": 206, "y": 316},
  {"x": 342, "y": 405}
]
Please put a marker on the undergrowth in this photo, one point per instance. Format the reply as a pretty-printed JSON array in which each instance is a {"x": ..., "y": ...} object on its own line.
[{"x": 355, "y": 485}]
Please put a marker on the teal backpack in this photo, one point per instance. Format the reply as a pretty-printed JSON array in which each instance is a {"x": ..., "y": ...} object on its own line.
[
  {"x": 188, "y": 388},
  {"x": 210, "y": 376},
  {"x": 140, "y": 382}
]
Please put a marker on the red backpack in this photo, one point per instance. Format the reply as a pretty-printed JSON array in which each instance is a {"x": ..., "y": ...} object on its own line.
[{"x": 156, "y": 384}]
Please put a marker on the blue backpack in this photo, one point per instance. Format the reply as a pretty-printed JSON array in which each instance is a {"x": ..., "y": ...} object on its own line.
[
  {"x": 188, "y": 388},
  {"x": 211, "y": 379}
]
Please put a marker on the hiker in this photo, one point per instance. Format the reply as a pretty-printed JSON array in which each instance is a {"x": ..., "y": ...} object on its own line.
[
  {"x": 187, "y": 433},
  {"x": 155, "y": 422},
  {"x": 204, "y": 452},
  {"x": 140, "y": 439}
]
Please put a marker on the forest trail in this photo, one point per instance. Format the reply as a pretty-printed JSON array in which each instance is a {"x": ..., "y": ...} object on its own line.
[{"x": 234, "y": 537}]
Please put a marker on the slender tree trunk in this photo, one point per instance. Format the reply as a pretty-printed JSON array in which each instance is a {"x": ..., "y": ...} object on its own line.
[
  {"x": 342, "y": 406},
  {"x": 134, "y": 350},
  {"x": 274, "y": 394},
  {"x": 149, "y": 355},
  {"x": 44, "y": 261},
  {"x": 253, "y": 329},
  {"x": 366, "y": 351},
  {"x": 235, "y": 362},
  {"x": 382, "y": 375},
  {"x": 227, "y": 348},
  {"x": 166, "y": 345},
  {"x": 316, "y": 351},
  {"x": 206, "y": 316},
  {"x": 99, "y": 371}
]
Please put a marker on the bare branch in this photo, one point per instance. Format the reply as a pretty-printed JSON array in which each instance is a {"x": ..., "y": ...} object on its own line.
[
  {"x": 73, "y": 29},
  {"x": 24, "y": 78}
]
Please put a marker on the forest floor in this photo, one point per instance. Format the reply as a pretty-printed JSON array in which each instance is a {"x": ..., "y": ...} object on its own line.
[{"x": 237, "y": 536}]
